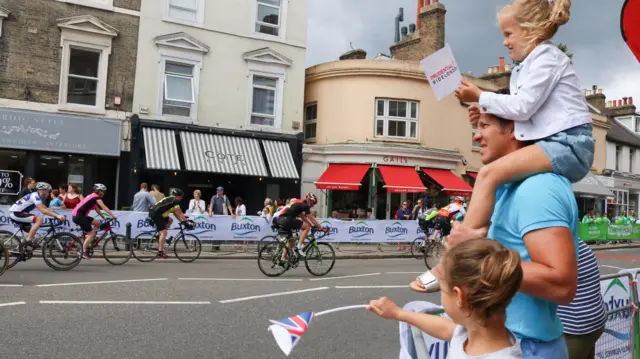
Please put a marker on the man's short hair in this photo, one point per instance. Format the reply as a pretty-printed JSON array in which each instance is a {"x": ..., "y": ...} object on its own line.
[
  {"x": 143, "y": 185},
  {"x": 155, "y": 187}
]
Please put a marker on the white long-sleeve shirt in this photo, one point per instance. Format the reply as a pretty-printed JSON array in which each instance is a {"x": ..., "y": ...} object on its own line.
[{"x": 545, "y": 98}]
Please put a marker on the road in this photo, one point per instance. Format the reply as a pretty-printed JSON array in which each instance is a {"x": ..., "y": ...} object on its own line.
[{"x": 207, "y": 309}]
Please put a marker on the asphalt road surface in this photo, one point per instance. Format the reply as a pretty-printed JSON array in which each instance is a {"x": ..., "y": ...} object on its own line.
[{"x": 207, "y": 309}]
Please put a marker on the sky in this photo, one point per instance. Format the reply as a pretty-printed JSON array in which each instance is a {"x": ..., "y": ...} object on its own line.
[{"x": 593, "y": 35}]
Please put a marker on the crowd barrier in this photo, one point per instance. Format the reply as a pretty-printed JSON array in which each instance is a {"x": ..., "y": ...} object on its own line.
[
  {"x": 254, "y": 228},
  {"x": 620, "y": 340},
  {"x": 608, "y": 232}
]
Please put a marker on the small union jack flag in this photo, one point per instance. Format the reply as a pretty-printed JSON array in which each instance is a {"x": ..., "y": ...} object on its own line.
[{"x": 289, "y": 331}]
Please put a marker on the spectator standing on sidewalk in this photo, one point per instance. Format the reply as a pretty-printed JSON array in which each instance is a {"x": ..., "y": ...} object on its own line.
[
  {"x": 197, "y": 205},
  {"x": 155, "y": 192},
  {"x": 404, "y": 212},
  {"x": 603, "y": 219},
  {"x": 220, "y": 205},
  {"x": 588, "y": 218},
  {"x": 56, "y": 202},
  {"x": 28, "y": 186},
  {"x": 143, "y": 199},
  {"x": 73, "y": 197},
  {"x": 584, "y": 319},
  {"x": 268, "y": 203},
  {"x": 241, "y": 209}
]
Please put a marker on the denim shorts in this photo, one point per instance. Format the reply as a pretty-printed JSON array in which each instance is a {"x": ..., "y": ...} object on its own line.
[
  {"x": 570, "y": 151},
  {"x": 533, "y": 349}
]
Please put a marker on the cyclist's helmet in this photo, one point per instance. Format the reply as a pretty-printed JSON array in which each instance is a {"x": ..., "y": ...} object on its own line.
[
  {"x": 458, "y": 199},
  {"x": 176, "y": 192},
  {"x": 44, "y": 186},
  {"x": 313, "y": 200},
  {"x": 99, "y": 187}
]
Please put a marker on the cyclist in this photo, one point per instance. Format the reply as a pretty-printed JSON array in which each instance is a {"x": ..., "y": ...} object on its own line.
[
  {"x": 288, "y": 218},
  {"x": 159, "y": 215},
  {"x": 20, "y": 212},
  {"x": 88, "y": 224},
  {"x": 446, "y": 215}
]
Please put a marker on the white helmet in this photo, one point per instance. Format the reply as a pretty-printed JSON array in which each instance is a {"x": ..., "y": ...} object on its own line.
[
  {"x": 43, "y": 186},
  {"x": 99, "y": 187},
  {"x": 458, "y": 198}
]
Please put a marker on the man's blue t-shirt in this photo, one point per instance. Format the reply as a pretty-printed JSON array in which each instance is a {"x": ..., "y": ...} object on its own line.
[{"x": 540, "y": 201}]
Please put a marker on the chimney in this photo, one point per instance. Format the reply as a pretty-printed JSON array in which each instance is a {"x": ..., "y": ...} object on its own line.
[
  {"x": 412, "y": 28},
  {"x": 429, "y": 35},
  {"x": 619, "y": 103},
  {"x": 403, "y": 32},
  {"x": 399, "y": 18},
  {"x": 501, "y": 64},
  {"x": 507, "y": 67},
  {"x": 630, "y": 100},
  {"x": 596, "y": 98},
  {"x": 358, "y": 54},
  {"x": 624, "y": 99}
]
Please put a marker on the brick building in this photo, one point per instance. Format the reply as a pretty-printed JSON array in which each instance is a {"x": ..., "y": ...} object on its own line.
[{"x": 67, "y": 70}]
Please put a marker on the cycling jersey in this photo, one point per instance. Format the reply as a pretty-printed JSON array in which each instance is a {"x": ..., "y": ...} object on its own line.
[
  {"x": 164, "y": 207},
  {"x": 296, "y": 209},
  {"x": 26, "y": 203},
  {"x": 451, "y": 211},
  {"x": 85, "y": 206},
  {"x": 285, "y": 208}
]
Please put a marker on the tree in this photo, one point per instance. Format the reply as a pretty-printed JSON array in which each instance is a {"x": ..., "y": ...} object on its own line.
[{"x": 565, "y": 49}]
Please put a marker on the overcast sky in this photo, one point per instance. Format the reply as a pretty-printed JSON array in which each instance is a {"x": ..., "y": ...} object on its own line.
[{"x": 593, "y": 34}]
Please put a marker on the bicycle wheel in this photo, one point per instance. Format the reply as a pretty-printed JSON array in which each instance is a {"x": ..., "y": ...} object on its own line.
[
  {"x": 269, "y": 259},
  {"x": 187, "y": 248},
  {"x": 145, "y": 247},
  {"x": 4, "y": 259},
  {"x": 320, "y": 254},
  {"x": 433, "y": 252},
  {"x": 264, "y": 241},
  {"x": 417, "y": 248},
  {"x": 12, "y": 243},
  {"x": 115, "y": 250},
  {"x": 63, "y": 251}
]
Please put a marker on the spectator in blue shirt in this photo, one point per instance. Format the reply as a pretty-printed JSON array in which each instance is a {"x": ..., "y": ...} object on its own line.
[
  {"x": 404, "y": 212},
  {"x": 56, "y": 201}
]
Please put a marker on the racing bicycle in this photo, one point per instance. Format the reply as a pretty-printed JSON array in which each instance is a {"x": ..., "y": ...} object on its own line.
[
  {"x": 270, "y": 259},
  {"x": 115, "y": 248},
  {"x": 61, "y": 251},
  {"x": 4, "y": 259},
  {"x": 186, "y": 246}
]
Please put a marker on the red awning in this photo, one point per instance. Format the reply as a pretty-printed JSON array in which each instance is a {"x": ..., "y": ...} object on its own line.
[
  {"x": 473, "y": 175},
  {"x": 342, "y": 177},
  {"x": 451, "y": 184},
  {"x": 400, "y": 179}
]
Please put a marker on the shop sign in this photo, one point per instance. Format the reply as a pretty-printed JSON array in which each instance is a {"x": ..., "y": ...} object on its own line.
[
  {"x": 45, "y": 131},
  {"x": 225, "y": 157},
  {"x": 10, "y": 182},
  {"x": 395, "y": 159}
]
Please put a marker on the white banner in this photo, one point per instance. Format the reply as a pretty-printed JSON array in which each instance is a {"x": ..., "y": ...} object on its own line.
[
  {"x": 442, "y": 72},
  {"x": 249, "y": 228},
  {"x": 614, "y": 342}
]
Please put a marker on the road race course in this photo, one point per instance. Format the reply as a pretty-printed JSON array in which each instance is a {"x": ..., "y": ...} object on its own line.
[{"x": 206, "y": 309}]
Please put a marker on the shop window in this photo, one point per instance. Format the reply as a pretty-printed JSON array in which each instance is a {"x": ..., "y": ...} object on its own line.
[
  {"x": 269, "y": 17},
  {"x": 396, "y": 119},
  {"x": 179, "y": 91},
  {"x": 12, "y": 161},
  {"x": 266, "y": 81},
  {"x": 83, "y": 77},
  {"x": 310, "y": 120},
  {"x": 190, "y": 12},
  {"x": 263, "y": 108}
]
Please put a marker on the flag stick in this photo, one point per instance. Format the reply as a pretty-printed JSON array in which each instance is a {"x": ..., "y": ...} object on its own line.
[{"x": 340, "y": 309}]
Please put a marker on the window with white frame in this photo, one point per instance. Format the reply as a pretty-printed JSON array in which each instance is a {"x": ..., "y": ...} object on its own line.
[
  {"x": 637, "y": 124},
  {"x": 263, "y": 104},
  {"x": 191, "y": 11},
  {"x": 82, "y": 77},
  {"x": 474, "y": 144},
  {"x": 269, "y": 17},
  {"x": 310, "y": 120},
  {"x": 179, "y": 89},
  {"x": 396, "y": 119}
]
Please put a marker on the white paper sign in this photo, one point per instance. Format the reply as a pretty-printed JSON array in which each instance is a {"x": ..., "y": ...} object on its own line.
[{"x": 442, "y": 72}]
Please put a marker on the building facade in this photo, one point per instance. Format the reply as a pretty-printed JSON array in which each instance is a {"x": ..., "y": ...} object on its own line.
[
  {"x": 219, "y": 97},
  {"x": 67, "y": 70}
]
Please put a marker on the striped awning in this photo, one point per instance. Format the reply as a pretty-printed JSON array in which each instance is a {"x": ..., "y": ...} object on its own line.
[
  {"x": 280, "y": 160},
  {"x": 204, "y": 152},
  {"x": 160, "y": 150}
]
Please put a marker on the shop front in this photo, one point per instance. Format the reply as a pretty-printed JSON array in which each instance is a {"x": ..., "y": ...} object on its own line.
[
  {"x": 60, "y": 149},
  {"x": 249, "y": 165},
  {"x": 626, "y": 193},
  {"x": 592, "y": 194},
  {"x": 378, "y": 177}
]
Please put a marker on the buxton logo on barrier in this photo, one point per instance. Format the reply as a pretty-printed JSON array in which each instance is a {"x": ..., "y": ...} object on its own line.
[
  {"x": 56, "y": 222},
  {"x": 360, "y": 229},
  {"x": 244, "y": 226},
  {"x": 332, "y": 230},
  {"x": 396, "y": 229},
  {"x": 203, "y": 225},
  {"x": 618, "y": 299},
  {"x": 4, "y": 219}
]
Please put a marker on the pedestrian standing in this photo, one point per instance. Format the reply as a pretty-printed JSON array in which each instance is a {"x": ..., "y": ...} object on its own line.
[
  {"x": 220, "y": 205},
  {"x": 197, "y": 205},
  {"x": 143, "y": 199},
  {"x": 241, "y": 209},
  {"x": 155, "y": 192}
]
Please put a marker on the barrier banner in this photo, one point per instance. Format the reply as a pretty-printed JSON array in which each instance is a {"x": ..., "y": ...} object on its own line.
[
  {"x": 592, "y": 232},
  {"x": 620, "y": 231},
  {"x": 614, "y": 343},
  {"x": 247, "y": 228}
]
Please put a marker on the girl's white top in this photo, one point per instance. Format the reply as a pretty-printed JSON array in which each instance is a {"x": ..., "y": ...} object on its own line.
[
  {"x": 197, "y": 206},
  {"x": 545, "y": 98},
  {"x": 241, "y": 210},
  {"x": 460, "y": 337}
]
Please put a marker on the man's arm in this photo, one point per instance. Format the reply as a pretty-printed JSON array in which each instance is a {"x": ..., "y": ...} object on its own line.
[
  {"x": 105, "y": 208},
  {"x": 552, "y": 273},
  {"x": 44, "y": 210}
]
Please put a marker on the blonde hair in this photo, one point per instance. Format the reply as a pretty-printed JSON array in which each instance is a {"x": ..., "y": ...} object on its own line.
[
  {"x": 198, "y": 193},
  {"x": 488, "y": 272},
  {"x": 539, "y": 18}
]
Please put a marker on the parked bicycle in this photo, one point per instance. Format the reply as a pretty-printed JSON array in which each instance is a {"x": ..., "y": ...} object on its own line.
[
  {"x": 61, "y": 251},
  {"x": 186, "y": 246},
  {"x": 4, "y": 259},
  {"x": 115, "y": 248},
  {"x": 270, "y": 256}
]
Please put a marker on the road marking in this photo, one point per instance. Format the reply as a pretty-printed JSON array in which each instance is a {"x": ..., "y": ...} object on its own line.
[
  {"x": 101, "y": 282},
  {"x": 10, "y": 285},
  {"x": 116, "y": 302},
  {"x": 606, "y": 266},
  {"x": 371, "y": 286},
  {"x": 347, "y": 276},
  {"x": 404, "y": 272},
  {"x": 272, "y": 295},
  {"x": 244, "y": 279},
  {"x": 12, "y": 304}
]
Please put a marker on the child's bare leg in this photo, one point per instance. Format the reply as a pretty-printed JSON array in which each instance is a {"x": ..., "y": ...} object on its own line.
[{"x": 515, "y": 166}]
